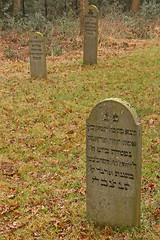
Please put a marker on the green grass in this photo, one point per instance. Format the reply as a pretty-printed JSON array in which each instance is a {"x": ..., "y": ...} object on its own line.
[{"x": 42, "y": 147}]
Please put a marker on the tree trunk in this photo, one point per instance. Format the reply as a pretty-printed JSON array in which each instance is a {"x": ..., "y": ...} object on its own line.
[
  {"x": 45, "y": 5},
  {"x": 16, "y": 6},
  {"x": 23, "y": 8},
  {"x": 135, "y": 5},
  {"x": 83, "y": 5}
]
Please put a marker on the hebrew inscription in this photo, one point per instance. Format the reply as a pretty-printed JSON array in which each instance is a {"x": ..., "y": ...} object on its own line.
[
  {"x": 90, "y": 24},
  {"x": 90, "y": 35},
  {"x": 37, "y": 56},
  {"x": 113, "y": 162}
]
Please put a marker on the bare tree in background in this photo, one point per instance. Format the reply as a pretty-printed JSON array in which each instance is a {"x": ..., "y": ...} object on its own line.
[
  {"x": 23, "y": 8},
  {"x": 135, "y": 5},
  {"x": 83, "y": 4},
  {"x": 16, "y": 6},
  {"x": 45, "y": 5}
]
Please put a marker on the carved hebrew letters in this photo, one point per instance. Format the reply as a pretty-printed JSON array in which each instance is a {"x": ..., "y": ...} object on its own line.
[
  {"x": 113, "y": 160},
  {"x": 90, "y": 35},
  {"x": 37, "y": 56}
]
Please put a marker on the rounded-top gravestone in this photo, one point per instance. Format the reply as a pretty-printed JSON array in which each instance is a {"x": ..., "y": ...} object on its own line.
[
  {"x": 37, "y": 56},
  {"x": 90, "y": 35},
  {"x": 113, "y": 164}
]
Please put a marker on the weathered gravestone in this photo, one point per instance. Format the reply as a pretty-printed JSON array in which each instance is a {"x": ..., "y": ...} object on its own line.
[
  {"x": 90, "y": 35},
  {"x": 113, "y": 164},
  {"x": 37, "y": 56}
]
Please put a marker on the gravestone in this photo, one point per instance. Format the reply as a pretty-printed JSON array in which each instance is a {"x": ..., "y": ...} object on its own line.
[
  {"x": 37, "y": 56},
  {"x": 90, "y": 35},
  {"x": 113, "y": 164}
]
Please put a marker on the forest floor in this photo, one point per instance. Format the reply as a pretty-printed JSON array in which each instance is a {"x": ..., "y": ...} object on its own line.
[
  {"x": 15, "y": 47},
  {"x": 42, "y": 131}
]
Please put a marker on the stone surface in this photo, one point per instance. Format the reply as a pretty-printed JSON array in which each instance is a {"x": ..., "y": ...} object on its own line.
[
  {"x": 113, "y": 164},
  {"x": 37, "y": 56},
  {"x": 90, "y": 35}
]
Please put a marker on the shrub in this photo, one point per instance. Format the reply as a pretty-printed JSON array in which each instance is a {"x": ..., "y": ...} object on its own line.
[{"x": 150, "y": 9}]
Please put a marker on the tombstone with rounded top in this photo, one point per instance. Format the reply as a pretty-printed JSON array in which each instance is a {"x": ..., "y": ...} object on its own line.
[
  {"x": 90, "y": 35},
  {"x": 113, "y": 164},
  {"x": 37, "y": 56}
]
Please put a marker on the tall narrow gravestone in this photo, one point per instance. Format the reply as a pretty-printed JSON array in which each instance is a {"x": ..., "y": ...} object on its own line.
[
  {"x": 90, "y": 35},
  {"x": 113, "y": 164},
  {"x": 37, "y": 56}
]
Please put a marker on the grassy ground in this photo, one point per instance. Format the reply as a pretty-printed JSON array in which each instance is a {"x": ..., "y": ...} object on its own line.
[{"x": 42, "y": 147}]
